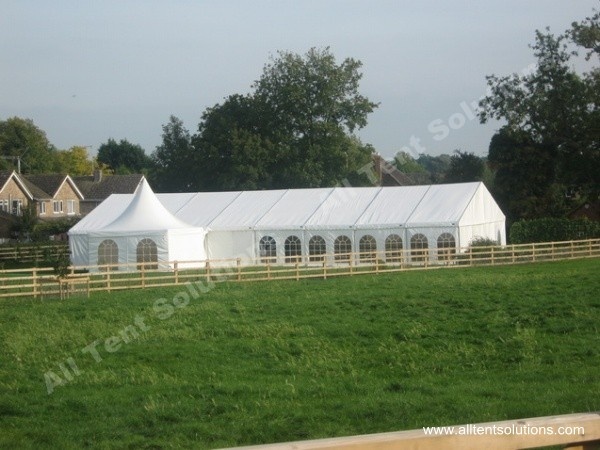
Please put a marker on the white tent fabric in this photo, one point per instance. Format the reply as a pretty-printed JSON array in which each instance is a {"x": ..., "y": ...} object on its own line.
[
  {"x": 237, "y": 222},
  {"x": 127, "y": 220}
]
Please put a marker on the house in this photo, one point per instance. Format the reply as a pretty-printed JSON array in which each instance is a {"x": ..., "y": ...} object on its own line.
[
  {"x": 14, "y": 194},
  {"x": 54, "y": 195},
  {"x": 97, "y": 187}
]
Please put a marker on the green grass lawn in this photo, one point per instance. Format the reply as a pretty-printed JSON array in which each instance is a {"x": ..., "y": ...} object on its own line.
[{"x": 266, "y": 362}]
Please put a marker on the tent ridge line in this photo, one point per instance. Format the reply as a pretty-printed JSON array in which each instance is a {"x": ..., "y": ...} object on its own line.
[
  {"x": 224, "y": 208},
  {"x": 303, "y": 226},
  {"x": 407, "y": 221},
  {"x": 367, "y": 206}
]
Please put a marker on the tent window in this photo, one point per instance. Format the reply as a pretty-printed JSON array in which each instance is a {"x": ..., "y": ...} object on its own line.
[
  {"x": 393, "y": 248},
  {"x": 418, "y": 247},
  {"x": 446, "y": 245},
  {"x": 367, "y": 246},
  {"x": 267, "y": 249},
  {"x": 293, "y": 249},
  {"x": 147, "y": 253},
  {"x": 316, "y": 249},
  {"x": 342, "y": 247},
  {"x": 108, "y": 253}
]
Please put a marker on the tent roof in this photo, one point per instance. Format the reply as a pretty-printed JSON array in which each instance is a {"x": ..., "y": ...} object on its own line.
[{"x": 322, "y": 208}]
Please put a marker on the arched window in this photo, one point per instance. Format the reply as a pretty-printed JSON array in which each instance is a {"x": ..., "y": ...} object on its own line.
[
  {"x": 367, "y": 247},
  {"x": 316, "y": 249},
  {"x": 108, "y": 253},
  {"x": 293, "y": 249},
  {"x": 446, "y": 245},
  {"x": 342, "y": 247},
  {"x": 418, "y": 247},
  {"x": 393, "y": 248},
  {"x": 267, "y": 249},
  {"x": 147, "y": 253}
]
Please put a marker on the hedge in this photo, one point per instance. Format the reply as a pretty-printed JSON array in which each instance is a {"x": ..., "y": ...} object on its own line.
[{"x": 553, "y": 230}]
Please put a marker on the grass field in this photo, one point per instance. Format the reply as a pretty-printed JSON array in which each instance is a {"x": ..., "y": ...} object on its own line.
[{"x": 266, "y": 362}]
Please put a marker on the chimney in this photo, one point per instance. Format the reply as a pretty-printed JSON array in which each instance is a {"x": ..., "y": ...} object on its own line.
[{"x": 97, "y": 175}]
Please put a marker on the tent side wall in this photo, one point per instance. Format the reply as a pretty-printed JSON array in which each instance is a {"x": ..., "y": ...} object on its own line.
[{"x": 186, "y": 246}]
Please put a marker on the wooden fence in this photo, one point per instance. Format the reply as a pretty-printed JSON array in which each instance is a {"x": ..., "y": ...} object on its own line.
[
  {"x": 41, "y": 282},
  {"x": 571, "y": 431},
  {"x": 31, "y": 253}
]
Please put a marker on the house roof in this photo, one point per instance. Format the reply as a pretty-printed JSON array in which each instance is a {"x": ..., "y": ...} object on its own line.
[
  {"x": 6, "y": 175},
  {"x": 49, "y": 184},
  {"x": 111, "y": 184}
]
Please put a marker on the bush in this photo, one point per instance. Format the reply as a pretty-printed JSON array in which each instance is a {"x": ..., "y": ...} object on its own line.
[{"x": 553, "y": 230}]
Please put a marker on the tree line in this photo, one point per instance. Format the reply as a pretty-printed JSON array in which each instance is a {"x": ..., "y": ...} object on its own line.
[{"x": 296, "y": 128}]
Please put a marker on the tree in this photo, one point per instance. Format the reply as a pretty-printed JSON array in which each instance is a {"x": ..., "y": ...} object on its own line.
[
  {"x": 74, "y": 161},
  {"x": 554, "y": 110},
  {"x": 437, "y": 166},
  {"x": 22, "y": 139},
  {"x": 524, "y": 180},
  {"x": 123, "y": 157},
  {"x": 465, "y": 167},
  {"x": 173, "y": 167},
  {"x": 405, "y": 163},
  {"x": 308, "y": 108}
]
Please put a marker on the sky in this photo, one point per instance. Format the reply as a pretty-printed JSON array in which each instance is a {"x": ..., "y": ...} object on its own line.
[{"x": 87, "y": 71}]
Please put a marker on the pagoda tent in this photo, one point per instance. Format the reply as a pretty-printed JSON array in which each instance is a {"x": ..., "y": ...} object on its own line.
[{"x": 132, "y": 229}]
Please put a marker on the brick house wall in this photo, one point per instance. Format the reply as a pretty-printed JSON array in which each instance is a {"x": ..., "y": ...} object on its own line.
[
  {"x": 12, "y": 192},
  {"x": 65, "y": 194}
]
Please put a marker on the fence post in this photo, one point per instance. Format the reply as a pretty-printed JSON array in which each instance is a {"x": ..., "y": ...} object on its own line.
[
  {"x": 533, "y": 252},
  {"x": 143, "y": 275},
  {"x": 376, "y": 264},
  {"x": 176, "y": 270},
  {"x": 324, "y": 269},
  {"x": 268, "y": 269},
  {"x": 35, "y": 282},
  {"x": 492, "y": 253},
  {"x": 297, "y": 270},
  {"x": 108, "y": 271},
  {"x": 239, "y": 269},
  {"x": 572, "y": 250},
  {"x": 207, "y": 270}
]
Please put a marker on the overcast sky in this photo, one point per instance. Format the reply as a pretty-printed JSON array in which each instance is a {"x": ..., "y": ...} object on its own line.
[{"x": 86, "y": 71}]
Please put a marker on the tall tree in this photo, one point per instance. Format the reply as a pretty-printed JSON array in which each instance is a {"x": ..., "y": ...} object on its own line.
[
  {"x": 465, "y": 167},
  {"x": 123, "y": 157},
  {"x": 173, "y": 161},
  {"x": 21, "y": 140},
  {"x": 556, "y": 108},
  {"x": 74, "y": 161},
  {"x": 309, "y": 106}
]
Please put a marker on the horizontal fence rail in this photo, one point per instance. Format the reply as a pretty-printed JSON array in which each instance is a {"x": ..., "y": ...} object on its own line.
[
  {"x": 31, "y": 253},
  {"x": 570, "y": 431},
  {"x": 42, "y": 282}
]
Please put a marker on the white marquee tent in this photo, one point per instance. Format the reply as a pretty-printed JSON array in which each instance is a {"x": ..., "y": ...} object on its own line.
[
  {"x": 133, "y": 229},
  {"x": 302, "y": 224}
]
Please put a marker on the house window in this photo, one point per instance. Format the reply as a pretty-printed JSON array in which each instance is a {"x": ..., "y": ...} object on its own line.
[
  {"x": 316, "y": 249},
  {"x": 4, "y": 205},
  {"x": 342, "y": 247},
  {"x": 418, "y": 247},
  {"x": 17, "y": 205},
  {"x": 267, "y": 249},
  {"x": 446, "y": 245},
  {"x": 147, "y": 253},
  {"x": 367, "y": 246},
  {"x": 57, "y": 205},
  {"x": 42, "y": 208},
  {"x": 71, "y": 207},
  {"x": 293, "y": 249},
  {"x": 108, "y": 253},
  {"x": 393, "y": 248}
]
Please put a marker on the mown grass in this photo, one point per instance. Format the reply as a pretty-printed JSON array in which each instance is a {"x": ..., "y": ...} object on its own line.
[{"x": 286, "y": 360}]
